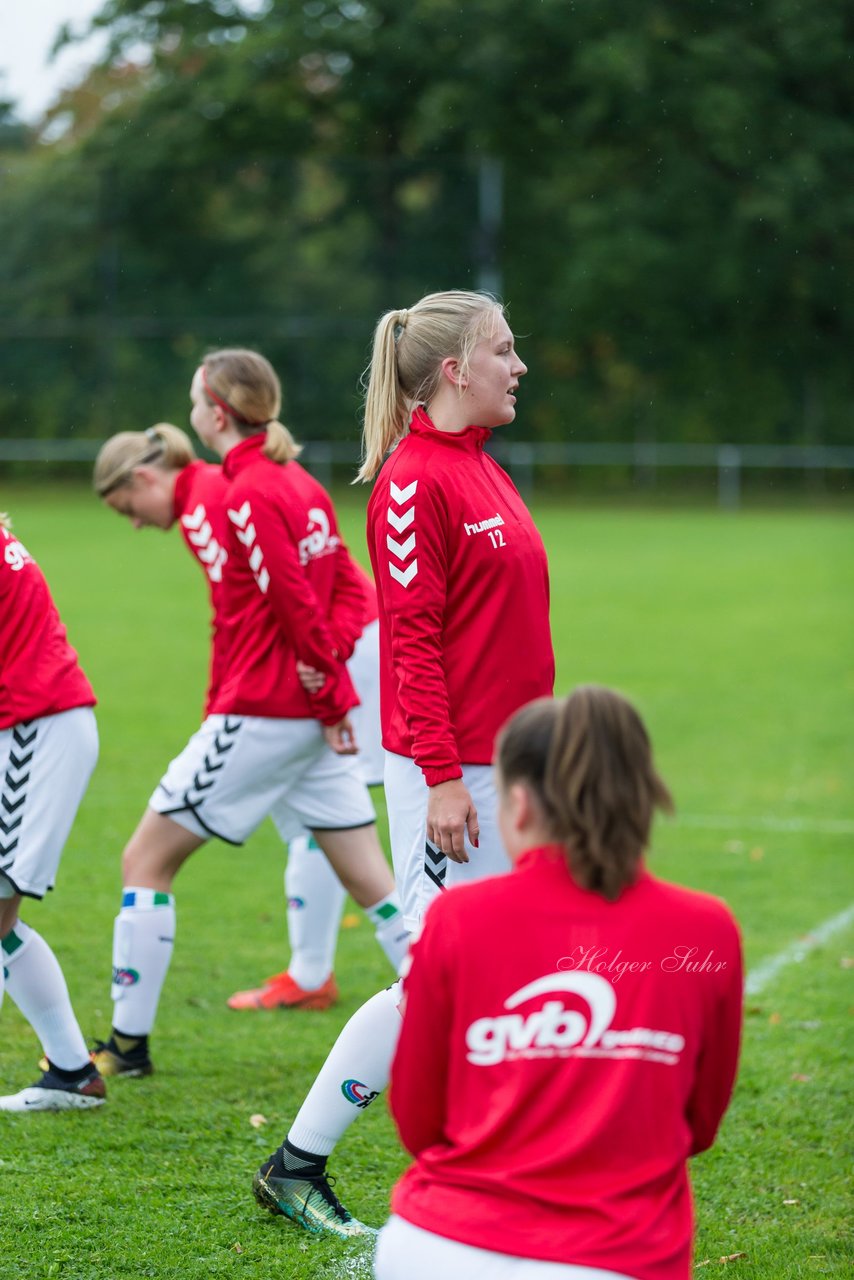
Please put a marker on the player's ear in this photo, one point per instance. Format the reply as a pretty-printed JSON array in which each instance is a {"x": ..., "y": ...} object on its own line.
[{"x": 452, "y": 372}]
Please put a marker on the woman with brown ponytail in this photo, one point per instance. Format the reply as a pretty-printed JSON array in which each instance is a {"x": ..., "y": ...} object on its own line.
[{"x": 570, "y": 1032}]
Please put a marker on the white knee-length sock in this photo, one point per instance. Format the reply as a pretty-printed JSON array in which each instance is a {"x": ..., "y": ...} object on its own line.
[
  {"x": 36, "y": 983},
  {"x": 355, "y": 1072},
  {"x": 315, "y": 898},
  {"x": 143, "y": 940}
]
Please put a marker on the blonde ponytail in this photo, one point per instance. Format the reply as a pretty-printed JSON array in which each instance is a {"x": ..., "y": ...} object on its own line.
[
  {"x": 406, "y": 362},
  {"x": 280, "y": 445},
  {"x": 164, "y": 446}
]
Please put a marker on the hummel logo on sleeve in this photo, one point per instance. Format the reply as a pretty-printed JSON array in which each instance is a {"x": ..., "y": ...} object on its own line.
[
  {"x": 401, "y": 522},
  {"x": 245, "y": 531}
]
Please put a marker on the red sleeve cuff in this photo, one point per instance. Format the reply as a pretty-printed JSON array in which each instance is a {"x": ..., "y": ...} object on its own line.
[{"x": 442, "y": 773}]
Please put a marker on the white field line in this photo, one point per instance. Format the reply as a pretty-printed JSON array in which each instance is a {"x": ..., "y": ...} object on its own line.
[
  {"x": 726, "y": 821},
  {"x": 757, "y": 980}
]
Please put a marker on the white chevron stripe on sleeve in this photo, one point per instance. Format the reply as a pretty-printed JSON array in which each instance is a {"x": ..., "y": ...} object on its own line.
[
  {"x": 400, "y": 549},
  {"x": 403, "y": 521},
  {"x": 263, "y": 580},
  {"x": 194, "y": 519},
  {"x": 202, "y": 537},
  {"x": 246, "y": 536},
  {"x": 240, "y": 517},
  {"x": 403, "y": 495},
  {"x": 403, "y": 576}
]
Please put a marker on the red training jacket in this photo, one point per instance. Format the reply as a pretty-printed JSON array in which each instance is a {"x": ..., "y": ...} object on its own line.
[
  {"x": 200, "y": 491},
  {"x": 39, "y": 671},
  {"x": 561, "y": 1057},
  {"x": 462, "y": 581},
  {"x": 290, "y": 590}
]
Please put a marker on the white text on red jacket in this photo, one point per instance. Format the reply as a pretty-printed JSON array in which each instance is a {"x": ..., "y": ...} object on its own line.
[{"x": 555, "y": 1031}]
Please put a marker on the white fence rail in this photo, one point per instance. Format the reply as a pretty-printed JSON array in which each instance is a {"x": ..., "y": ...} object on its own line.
[{"x": 523, "y": 460}]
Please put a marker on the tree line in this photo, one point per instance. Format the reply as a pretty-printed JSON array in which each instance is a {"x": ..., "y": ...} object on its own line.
[{"x": 661, "y": 193}]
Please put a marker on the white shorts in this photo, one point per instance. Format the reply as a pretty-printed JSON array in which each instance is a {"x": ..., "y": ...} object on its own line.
[
  {"x": 45, "y": 766},
  {"x": 407, "y": 1252},
  {"x": 420, "y": 869},
  {"x": 238, "y": 769},
  {"x": 364, "y": 668}
]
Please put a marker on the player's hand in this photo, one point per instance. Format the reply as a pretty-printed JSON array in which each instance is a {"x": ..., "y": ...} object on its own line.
[
  {"x": 310, "y": 678},
  {"x": 341, "y": 737},
  {"x": 450, "y": 814}
]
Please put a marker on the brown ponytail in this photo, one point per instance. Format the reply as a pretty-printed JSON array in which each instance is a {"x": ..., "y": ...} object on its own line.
[{"x": 587, "y": 759}]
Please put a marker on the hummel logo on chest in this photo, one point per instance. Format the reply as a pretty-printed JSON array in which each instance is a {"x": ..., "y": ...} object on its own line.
[{"x": 492, "y": 525}]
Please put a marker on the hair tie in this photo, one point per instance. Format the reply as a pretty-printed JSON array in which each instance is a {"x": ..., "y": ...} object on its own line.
[{"x": 402, "y": 317}]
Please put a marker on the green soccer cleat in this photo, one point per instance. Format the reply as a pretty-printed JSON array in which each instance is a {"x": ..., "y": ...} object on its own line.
[
  {"x": 310, "y": 1202},
  {"x": 110, "y": 1060}
]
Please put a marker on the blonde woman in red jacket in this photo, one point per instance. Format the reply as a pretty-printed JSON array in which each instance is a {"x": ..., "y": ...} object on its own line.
[
  {"x": 463, "y": 595},
  {"x": 570, "y": 1032}
]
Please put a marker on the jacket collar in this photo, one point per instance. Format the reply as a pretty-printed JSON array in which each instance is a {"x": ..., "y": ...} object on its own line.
[
  {"x": 242, "y": 454},
  {"x": 471, "y": 438}
]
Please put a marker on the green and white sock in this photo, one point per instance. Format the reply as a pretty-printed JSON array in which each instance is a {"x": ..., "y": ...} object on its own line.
[
  {"x": 391, "y": 933},
  {"x": 143, "y": 941}
]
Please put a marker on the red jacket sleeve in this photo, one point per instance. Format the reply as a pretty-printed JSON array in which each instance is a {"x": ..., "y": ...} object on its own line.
[
  {"x": 408, "y": 542},
  {"x": 419, "y": 1073},
  {"x": 348, "y": 612},
  {"x": 273, "y": 557},
  {"x": 718, "y": 1059}
]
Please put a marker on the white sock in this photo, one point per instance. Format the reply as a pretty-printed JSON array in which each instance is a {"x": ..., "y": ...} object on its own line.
[
  {"x": 391, "y": 933},
  {"x": 143, "y": 939},
  {"x": 355, "y": 1072},
  {"x": 315, "y": 898},
  {"x": 36, "y": 984}
]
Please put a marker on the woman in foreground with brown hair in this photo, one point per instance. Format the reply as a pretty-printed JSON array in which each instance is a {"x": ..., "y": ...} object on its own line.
[{"x": 570, "y": 1032}]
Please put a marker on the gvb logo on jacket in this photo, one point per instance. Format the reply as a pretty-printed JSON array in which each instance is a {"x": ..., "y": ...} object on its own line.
[
  {"x": 554, "y": 1030},
  {"x": 207, "y": 549},
  {"x": 403, "y": 544},
  {"x": 15, "y": 554},
  {"x": 318, "y": 541},
  {"x": 245, "y": 530}
]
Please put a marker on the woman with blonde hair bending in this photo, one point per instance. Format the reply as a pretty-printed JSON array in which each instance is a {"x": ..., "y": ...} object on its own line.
[
  {"x": 243, "y": 763},
  {"x": 560, "y": 1059}
]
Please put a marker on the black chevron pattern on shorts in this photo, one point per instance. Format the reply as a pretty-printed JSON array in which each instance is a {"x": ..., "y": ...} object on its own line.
[
  {"x": 205, "y": 777},
  {"x": 435, "y": 864},
  {"x": 13, "y": 794}
]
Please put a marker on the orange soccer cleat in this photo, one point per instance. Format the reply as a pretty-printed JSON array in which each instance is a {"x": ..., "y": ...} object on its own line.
[{"x": 281, "y": 992}]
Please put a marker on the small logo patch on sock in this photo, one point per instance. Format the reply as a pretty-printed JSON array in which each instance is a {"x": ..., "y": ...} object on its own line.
[
  {"x": 359, "y": 1094},
  {"x": 296, "y": 904},
  {"x": 125, "y": 977}
]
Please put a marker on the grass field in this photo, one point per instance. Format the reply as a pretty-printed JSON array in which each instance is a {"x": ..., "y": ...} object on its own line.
[{"x": 734, "y": 636}]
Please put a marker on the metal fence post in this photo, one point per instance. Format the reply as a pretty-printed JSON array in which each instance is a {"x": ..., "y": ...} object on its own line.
[{"x": 729, "y": 477}]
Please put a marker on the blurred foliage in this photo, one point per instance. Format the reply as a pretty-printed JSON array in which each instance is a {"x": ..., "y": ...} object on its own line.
[{"x": 676, "y": 237}]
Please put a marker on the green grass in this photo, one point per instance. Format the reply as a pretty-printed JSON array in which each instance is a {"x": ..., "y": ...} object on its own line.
[{"x": 734, "y": 636}]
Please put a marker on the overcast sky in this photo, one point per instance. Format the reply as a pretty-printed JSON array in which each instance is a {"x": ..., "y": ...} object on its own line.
[{"x": 27, "y": 31}]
